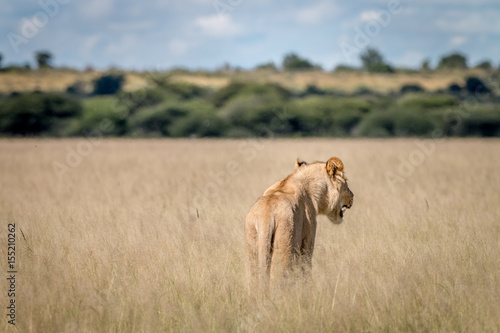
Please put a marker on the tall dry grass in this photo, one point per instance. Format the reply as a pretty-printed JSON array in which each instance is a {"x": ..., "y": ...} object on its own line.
[{"x": 126, "y": 243}]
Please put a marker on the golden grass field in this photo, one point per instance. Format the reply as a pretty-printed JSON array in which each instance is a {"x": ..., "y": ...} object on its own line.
[
  {"x": 59, "y": 80},
  {"x": 147, "y": 236}
]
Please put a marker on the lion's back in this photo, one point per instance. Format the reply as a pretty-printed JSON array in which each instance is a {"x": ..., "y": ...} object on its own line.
[{"x": 276, "y": 208}]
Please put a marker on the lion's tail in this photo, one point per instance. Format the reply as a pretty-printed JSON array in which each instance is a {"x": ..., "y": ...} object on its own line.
[{"x": 265, "y": 238}]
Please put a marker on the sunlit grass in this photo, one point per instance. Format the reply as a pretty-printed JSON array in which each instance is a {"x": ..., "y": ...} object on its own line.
[{"x": 147, "y": 236}]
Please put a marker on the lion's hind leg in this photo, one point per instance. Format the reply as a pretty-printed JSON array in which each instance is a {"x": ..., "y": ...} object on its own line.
[
  {"x": 253, "y": 259},
  {"x": 286, "y": 251}
]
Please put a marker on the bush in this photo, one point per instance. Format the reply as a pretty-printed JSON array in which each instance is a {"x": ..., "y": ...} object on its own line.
[
  {"x": 293, "y": 62},
  {"x": 193, "y": 118},
  {"x": 80, "y": 88},
  {"x": 259, "y": 114},
  {"x": 267, "y": 66},
  {"x": 374, "y": 62},
  {"x": 453, "y": 61},
  {"x": 199, "y": 120},
  {"x": 378, "y": 124},
  {"x": 156, "y": 120},
  {"x": 321, "y": 116},
  {"x": 476, "y": 86},
  {"x": 426, "y": 101},
  {"x": 37, "y": 113},
  {"x": 412, "y": 123},
  {"x": 141, "y": 98},
  {"x": 99, "y": 110},
  {"x": 313, "y": 90},
  {"x": 485, "y": 64},
  {"x": 108, "y": 84},
  {"x": 223, "y": 95},
  {"x": 454, "y": 89},
  {"x": 484, "y": 123},
  {"x": 411, "y": 88},
  {"x": 396, "y": 123},
  {"x": 344, "y": 68},
  {"x": 184, "y": 90},
  {"x": 198, "y": 124}
]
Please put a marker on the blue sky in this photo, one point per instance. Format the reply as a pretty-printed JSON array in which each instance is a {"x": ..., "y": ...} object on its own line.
[{"x": 204, "y": 34}]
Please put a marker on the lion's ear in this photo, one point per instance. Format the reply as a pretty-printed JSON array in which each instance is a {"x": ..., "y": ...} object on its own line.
[
  {"x": 299, "y": 163},
  {"x": 333, "y": 165}
]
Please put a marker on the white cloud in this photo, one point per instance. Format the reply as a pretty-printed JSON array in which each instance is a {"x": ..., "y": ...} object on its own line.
[
  {"x": 217, "y": 26},
  {"x": 96, "y": 9},
  {"x": 369, "y": 15},
  {"x": 470, "y": 22},
  {"x": 317, "y": 13},
  {"x": 457, "y": 41},
  {"x": 177, "y": 47}
]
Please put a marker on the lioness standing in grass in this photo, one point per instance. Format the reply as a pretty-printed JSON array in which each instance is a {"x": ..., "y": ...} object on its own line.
[{"x": 281, "y": 226}]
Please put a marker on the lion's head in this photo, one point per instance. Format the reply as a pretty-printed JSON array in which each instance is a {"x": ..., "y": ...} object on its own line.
[{"x": 336, "y": 197}]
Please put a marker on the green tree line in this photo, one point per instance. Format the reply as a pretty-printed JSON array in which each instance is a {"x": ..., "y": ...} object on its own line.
[{"x": 174, "y": 109}]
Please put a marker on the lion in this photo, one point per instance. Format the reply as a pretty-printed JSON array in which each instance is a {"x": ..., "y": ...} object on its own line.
[{"x": 280, "y": 228}]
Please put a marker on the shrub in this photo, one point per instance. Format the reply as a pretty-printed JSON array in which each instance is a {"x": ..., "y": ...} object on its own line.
[
  {"x": 184, "y": 90},
  {"x": 377, "y": 124},
  {"x": 293, "y": 62},
  {"x": 43, "y": 59},
  {"x": 411, "y": 88},
  {"x": 374, "y": 62},
  {"x": 174, "y": 118},
  {"x": 98, "y": 110},
  {"x": 260, "y": 114},
  {"x": 453, "y": 61},
  {"x": 267, "y": 66},
  {"x": 156, "y": 120},
  {"x": 312, "y": 89},
  {"x": 476, "y": 86},
  {"x": 223, "y": 95},
  {"x": 108, "y": 84},
  {"x": 454, "y": 89},
  {"x": 344, "y": 68},
  {"x": 480, "y": 123},
  {"x": 426, "y": 101},
  {"x": 141, "y": 98},
  {"x": 198, "y": 124},
  {"x": 317, "y": 115},
  {"x": 412, "y": 123},
  {"x": 37, "y": 113},
  {"x": 80, "y": 88},
  {"x": 199, "y": 120},
  {"x": 395, "y": 123},
  {"x": 485, "y": 64}
]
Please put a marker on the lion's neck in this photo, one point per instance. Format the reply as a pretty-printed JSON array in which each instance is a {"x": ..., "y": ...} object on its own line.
[{"x": 312, "y": 189}]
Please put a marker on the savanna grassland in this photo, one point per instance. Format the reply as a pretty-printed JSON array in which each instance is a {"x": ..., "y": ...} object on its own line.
[
  {"x": 59, "y": 80},
  {"x": 147, "y": 236}
]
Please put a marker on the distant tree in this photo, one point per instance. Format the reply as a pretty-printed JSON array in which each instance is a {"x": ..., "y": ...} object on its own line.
[
  {"x": 267, "y": 65},
  {"x": 1, "y": 58},
  {"x": 108, "y": 84},
  {"x": 292, "y": 62},
  {"x": 453, "y": 61},
  {"x": 426, "y": 66},
  {"x": 374, "y": 62},
  {"x": 43, "y": 59},
  {"x": 486, "y": 65},
  {"x": 344, "y": 68}
]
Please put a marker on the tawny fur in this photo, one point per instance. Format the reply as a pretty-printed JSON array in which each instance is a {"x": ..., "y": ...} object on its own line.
[{"x": 280, "y": 228}]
